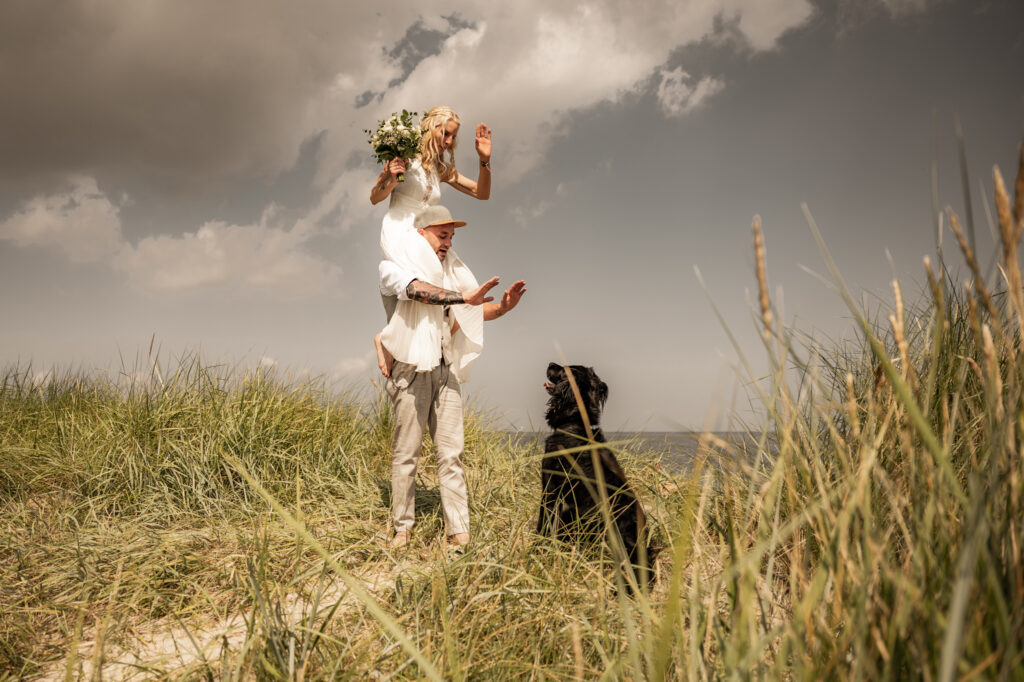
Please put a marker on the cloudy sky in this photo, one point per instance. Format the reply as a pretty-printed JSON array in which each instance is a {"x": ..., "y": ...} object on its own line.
[{"x": 198, "y": 172}]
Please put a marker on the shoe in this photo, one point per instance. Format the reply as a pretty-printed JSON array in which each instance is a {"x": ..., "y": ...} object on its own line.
[
  {"x": 401, "y": 539},
  {"x": 458, "y": 539}
]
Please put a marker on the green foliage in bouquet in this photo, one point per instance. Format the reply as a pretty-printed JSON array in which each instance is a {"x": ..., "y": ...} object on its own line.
[{"x": 396, "y": 137}]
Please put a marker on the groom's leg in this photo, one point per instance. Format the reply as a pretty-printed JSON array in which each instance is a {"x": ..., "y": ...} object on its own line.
[
  {"x": 410, "y": 393},
  {"x": 446, "y": 428}
]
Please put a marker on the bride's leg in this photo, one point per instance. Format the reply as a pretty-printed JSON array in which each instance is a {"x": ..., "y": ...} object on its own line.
[{"x": 385, "y": 360}]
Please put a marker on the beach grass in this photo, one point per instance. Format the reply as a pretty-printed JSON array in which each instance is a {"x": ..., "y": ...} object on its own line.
[{"x": 203, "y": 522}]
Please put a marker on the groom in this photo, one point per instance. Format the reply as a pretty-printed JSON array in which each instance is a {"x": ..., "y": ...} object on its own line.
[{"x": 434, "y": 335}]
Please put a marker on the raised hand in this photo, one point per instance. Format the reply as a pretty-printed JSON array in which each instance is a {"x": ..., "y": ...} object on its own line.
[
  {"x": 479, "y": 296},
  {"x": 511, "y": 297},
  {"x": 483, "y": 142}
]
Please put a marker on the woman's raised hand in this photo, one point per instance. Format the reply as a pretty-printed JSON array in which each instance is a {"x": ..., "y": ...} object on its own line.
[{"x": 483, "y": 142}]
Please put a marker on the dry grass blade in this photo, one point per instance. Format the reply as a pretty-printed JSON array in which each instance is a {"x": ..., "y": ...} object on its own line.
[
  {"x": 837, "y": 538},
  {"x": 1018, "y": 200},
  {"x": 899, "y": 386},
  {"x": 1010, "y": 233},
  {"x": 762, "y": 280},
  {"x": 375, "y": 609},
  {"x": 972, "y": 263}
]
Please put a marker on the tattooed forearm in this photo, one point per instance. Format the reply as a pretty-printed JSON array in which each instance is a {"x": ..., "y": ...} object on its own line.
[
  {"x": 380, "y": 189},
  {"x": 428, "y": 293}
]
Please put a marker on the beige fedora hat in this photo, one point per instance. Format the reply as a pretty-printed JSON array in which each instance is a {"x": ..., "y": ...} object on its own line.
[{"x": 436, "y": 215}]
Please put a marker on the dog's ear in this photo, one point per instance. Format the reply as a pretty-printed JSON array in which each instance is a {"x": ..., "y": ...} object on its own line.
[
  {"x": 597, "y": 389},
  {"x": 581, "y": 375}
]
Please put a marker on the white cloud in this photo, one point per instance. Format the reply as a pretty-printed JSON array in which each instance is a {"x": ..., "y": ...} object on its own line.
[
  {"x": 345, "y": 200},
  {"x": 678, "y": 97},
  {"x": 182, "y": 93},
  {"x": 902, "y": 7},
  {"x": 185, "y": 101},
  {"x": 525, "y": 217},
  {"x": 347, "y": 367},
  {"x": 852, "y": 14},
  {"x": 82, "y": 222},
  {"x": 524, "y": 68},
  {"x": 216, "y": 254},
  {"x": 232, "y": 88},
  {"x": 763, "y": 23}
]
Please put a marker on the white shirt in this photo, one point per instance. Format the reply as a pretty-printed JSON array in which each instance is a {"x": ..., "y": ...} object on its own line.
[
  {"x": 394, "y": 279},
  {"x": 415, "y": 333}
]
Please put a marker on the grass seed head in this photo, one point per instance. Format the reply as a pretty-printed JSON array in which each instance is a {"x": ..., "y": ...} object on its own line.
[
  {"x": 1018, "y": 198},
  {"x": 762, "y": 279}
]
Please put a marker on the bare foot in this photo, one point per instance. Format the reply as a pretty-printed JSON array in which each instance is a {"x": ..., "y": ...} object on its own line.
[
  {"x": 401, "y": 539},
  {"x": 459, "y": 539},
  {"x": 385, "y": 360}
]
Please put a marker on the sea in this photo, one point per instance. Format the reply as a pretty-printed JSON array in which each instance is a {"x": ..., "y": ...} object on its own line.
[{"x": 674, "y": 450}]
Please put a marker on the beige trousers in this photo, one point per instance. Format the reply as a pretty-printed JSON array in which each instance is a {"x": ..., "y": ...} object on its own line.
[{"x": 427, "y": 400}]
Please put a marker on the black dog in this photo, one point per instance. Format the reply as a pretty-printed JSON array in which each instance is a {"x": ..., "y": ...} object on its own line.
[{"x": 572, "y": 487}]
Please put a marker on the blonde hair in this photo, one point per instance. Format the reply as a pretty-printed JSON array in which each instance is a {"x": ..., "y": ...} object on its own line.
[{"x": 431, "y": 156}]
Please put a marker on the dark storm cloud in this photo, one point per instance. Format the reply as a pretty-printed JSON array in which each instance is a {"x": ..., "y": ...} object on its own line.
[
  {"x": 180, "y": 89},
  {"x": 419, "y": 42}
]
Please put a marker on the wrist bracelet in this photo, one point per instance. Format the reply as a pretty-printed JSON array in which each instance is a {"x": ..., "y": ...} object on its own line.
[{"x": 485, "y": 164}]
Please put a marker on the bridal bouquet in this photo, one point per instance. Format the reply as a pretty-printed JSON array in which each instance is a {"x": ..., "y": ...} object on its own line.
[{"x": 396, "y": 138}]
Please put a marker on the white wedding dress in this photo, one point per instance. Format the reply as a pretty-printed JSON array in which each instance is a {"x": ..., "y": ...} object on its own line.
[
  {"x": 413, "y": 332},
  {"x": 420, "y": 190}
]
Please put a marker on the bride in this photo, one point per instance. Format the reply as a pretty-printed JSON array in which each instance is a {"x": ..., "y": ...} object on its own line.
[{"x": 422, "y": 188}]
